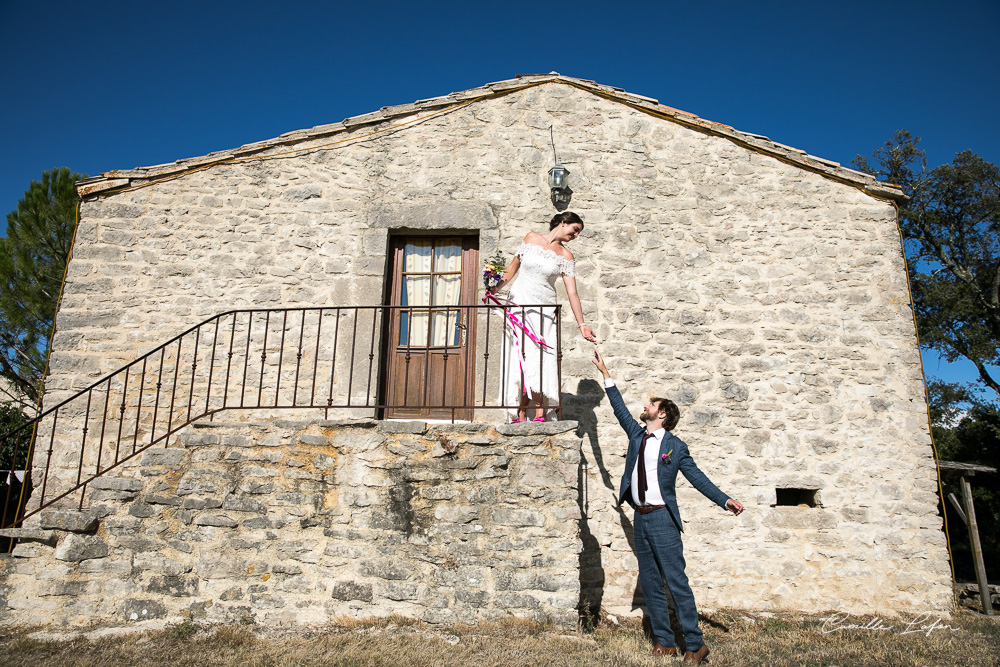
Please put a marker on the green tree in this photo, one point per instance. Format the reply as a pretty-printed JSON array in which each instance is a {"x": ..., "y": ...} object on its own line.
[
  {"x": 33, "y": 258},
  {"x": 11, "y": 418},
  {"x": 951, "y": 227}
]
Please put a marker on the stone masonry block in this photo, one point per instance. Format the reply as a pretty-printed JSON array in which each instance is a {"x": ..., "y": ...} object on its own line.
[
  {"x": 173, "y": 586},
  {"x": 512, "y": 601},
  {"x": 311, "y": 439},
  {"x": 350, "y": 590},
  {"x": 142, "y": 610},
  {"x": 539, "y": 428},
  {"x": 242, "y": 504},
  {"x": 398, "y": 591},
  {"x": 515, "y": 517},
  {"x": 357, "y": 442},
  {"x": 387, "y": 569},
  {"x": 199, "y": 439},
  {"x": 549, "y": 475},
  {"x": 217, "y": 520},
  {"x": 73, "y": 521},
  {"x": 116, "y": 484},
  {"x": 324, "y": 462},
  {"x": 163, "y": 500},
  {"x": 169, "y": 458},
  {"x": 25, "y": 535},
  {"x": 204, "y": 482},
  {"x": 232, "y": 440},
  {"x": 25, "y": 549},
  {"x": 456, "y": 513},
  {"x": 800, "y": 517},
  {"x": 75, "y": 548},
  {"x": 68, "y": 588},
  {"x": 202, "y": 503},
  {"x": 410, "y": 427}
]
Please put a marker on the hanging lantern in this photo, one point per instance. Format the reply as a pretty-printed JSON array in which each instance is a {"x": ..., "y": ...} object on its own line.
[{"x": 559, "y": 180}]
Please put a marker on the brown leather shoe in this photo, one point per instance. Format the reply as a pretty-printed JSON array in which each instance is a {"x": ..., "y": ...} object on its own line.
[
  {"x": 660, "y": 649},
  {"x": 695, "y": 657}
]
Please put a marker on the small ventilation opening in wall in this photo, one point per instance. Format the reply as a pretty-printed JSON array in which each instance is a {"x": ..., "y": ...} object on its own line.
[{"x": 796, "y": 497}]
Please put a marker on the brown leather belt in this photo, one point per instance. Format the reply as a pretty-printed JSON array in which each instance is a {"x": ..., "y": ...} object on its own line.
[{"x": 648, "y": 508}]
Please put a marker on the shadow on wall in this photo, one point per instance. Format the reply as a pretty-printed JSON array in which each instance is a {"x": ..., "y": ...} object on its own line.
[{"x": 582, "y": 406}]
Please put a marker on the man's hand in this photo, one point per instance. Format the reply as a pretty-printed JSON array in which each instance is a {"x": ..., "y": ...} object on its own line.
[
  {"x": 598, "y": 361},
  {"x": 734, "y": 506}
]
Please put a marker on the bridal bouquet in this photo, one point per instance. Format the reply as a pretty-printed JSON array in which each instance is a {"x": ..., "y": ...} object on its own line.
[{"x": 493, "y": 270}]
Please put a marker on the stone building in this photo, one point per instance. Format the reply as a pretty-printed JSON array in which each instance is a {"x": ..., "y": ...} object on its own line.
[{"x": 762, "y": 288}]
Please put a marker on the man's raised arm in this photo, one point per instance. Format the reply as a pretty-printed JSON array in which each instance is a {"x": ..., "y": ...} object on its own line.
[{"x": 617, "y": 403}]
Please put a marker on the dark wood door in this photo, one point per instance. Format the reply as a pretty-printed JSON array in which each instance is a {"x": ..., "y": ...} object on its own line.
[{"x": 431, "y": 352}]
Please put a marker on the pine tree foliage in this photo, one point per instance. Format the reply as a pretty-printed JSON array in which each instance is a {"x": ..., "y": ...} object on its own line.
[
  {"x": 33, "y": 258},
  {"x": 11, "y": 419}
]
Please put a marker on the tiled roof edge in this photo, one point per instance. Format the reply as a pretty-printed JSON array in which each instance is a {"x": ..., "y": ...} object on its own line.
[{"x": 123, "y": 178}]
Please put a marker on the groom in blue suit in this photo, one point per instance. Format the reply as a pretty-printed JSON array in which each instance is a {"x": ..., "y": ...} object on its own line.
[{"x": 649, "y": 488}]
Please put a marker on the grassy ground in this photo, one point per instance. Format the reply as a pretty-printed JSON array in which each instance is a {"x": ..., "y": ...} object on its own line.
[{"x": 735, "y": 638}]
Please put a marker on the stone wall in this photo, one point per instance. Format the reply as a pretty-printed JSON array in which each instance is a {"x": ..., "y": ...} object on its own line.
[
  {"x": 768, "y": 300},
  {"x": 298, "y": 522}
]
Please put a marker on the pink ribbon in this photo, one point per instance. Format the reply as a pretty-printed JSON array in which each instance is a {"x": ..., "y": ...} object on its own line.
[{"x": 516, "y": 325}]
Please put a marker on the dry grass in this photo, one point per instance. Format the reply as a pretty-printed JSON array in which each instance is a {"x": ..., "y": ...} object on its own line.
[{"x": 735, "y": 638}]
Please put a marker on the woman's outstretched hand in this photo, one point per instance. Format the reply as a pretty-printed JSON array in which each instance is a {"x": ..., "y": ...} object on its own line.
[{"x": 588, "y": 334}]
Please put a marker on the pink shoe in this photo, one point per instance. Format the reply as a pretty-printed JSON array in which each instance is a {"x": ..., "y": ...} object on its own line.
[
  {"x": 517, "y": 421},
  {"x": 538, "y": 419}
]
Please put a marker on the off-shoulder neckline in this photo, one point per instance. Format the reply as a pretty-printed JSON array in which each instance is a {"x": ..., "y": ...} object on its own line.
[{"x": 541, "y": 249}]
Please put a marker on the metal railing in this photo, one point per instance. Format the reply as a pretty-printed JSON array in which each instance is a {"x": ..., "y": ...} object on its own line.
[{"x": 353, "y": 358}]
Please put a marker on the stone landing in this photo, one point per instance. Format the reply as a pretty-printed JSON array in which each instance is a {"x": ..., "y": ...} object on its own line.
[{"x": 302, "y": 522}]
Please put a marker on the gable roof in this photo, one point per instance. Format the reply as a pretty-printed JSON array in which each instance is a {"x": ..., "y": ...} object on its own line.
[{"x": 123, "y": 179}]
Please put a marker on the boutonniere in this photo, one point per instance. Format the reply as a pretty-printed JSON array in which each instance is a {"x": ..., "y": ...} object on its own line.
[{"x": 665, "y": 458}]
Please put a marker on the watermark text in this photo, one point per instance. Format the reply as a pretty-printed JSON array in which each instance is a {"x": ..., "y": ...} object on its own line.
[{"x": 924, "y": 623}]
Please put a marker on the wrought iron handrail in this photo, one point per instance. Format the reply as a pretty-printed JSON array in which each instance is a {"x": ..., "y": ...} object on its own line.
[{"x": 186, "y": 379}]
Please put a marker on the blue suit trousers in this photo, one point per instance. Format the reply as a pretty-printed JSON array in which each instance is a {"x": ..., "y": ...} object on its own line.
[{"x": 661, "y": 560}]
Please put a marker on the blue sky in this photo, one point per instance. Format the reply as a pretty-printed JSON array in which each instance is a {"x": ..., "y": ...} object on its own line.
[{"x": 113, "y": 85}]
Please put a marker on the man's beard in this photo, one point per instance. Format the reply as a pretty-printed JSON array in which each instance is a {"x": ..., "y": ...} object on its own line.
[{"x": 645, "y": 417}]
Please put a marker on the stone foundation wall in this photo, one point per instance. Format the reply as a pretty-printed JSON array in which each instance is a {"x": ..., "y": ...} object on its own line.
[{"x": 299, "y": 522}]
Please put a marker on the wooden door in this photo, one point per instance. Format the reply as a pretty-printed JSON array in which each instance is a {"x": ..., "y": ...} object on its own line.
[{"x": 431, "y": 351}]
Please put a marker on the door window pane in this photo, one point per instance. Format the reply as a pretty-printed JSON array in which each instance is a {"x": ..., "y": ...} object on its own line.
[
  {"x": 417, "y": 256},
  {"x": 432, "y": 276},
  {"x": 413, "y": 324},
  {"x": 447, "y": 290},
  {"x": 448, "y": 256},
  {"x": 444, "y": 327}
]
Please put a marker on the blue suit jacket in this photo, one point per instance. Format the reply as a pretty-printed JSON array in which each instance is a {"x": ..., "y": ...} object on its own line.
[{"x": 680, "y": 460}]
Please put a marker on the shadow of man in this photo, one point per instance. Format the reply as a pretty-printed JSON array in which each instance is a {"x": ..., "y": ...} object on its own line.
[{"x": 582, "y": 406}]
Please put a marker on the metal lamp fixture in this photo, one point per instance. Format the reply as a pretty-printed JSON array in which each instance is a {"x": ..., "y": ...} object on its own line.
[{"x": 559, "y": 180}]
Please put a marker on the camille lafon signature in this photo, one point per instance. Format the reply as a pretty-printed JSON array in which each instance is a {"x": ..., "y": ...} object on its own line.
[{"x": 924, "y": 623}]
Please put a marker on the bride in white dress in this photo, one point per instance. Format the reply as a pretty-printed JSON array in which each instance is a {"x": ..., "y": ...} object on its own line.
[{"x": 540, "y": 259}]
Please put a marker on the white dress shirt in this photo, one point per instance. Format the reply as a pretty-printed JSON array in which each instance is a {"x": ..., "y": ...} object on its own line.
[{"x": 651, "y": 461}]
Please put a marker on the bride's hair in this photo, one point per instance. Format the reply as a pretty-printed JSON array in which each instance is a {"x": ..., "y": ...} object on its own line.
[{"x": 568, "y": 217}]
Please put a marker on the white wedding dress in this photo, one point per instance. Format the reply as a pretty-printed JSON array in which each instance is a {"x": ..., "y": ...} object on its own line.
[{"x": 534, "y": 285}]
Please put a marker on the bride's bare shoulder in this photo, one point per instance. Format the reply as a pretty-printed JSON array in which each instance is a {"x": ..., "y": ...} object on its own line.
[{"x": 534, "y": 238}]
